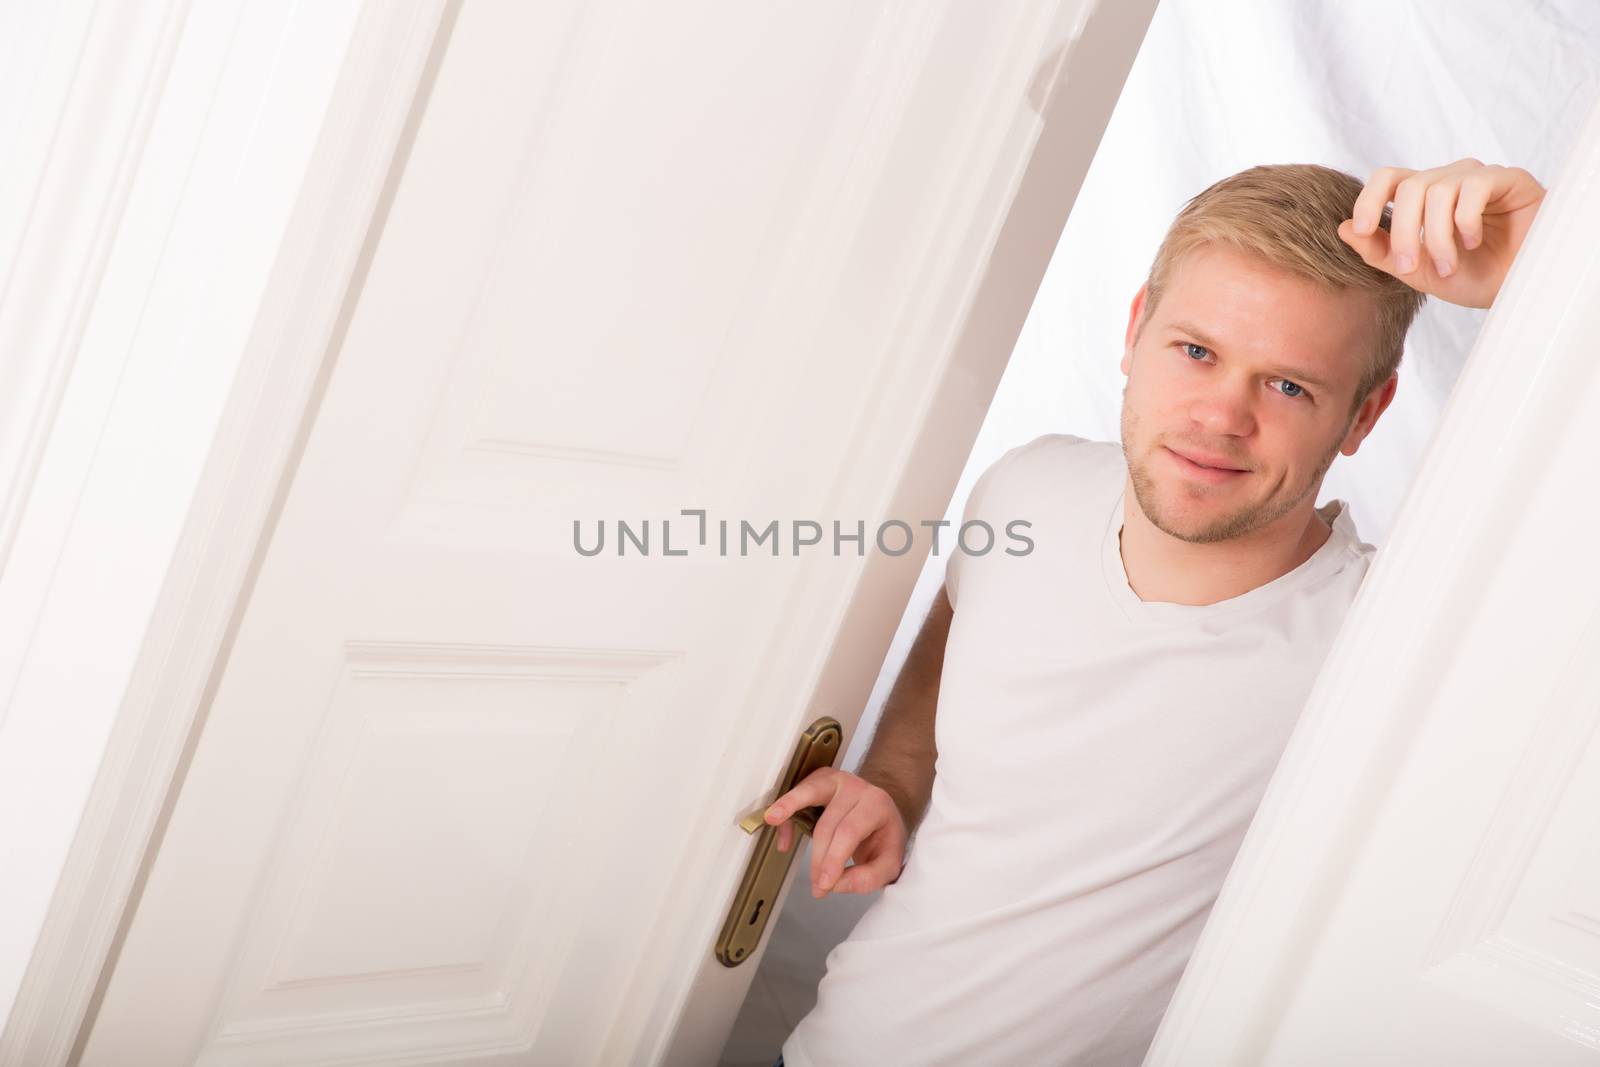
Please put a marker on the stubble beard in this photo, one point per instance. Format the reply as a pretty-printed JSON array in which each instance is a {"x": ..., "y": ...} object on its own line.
[{"x": 1242, "y": 520}]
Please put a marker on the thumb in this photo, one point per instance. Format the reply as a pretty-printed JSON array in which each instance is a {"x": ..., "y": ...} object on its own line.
[
  {"x": 1373, "y": 248},
  {"x": 858, "y": 878}
]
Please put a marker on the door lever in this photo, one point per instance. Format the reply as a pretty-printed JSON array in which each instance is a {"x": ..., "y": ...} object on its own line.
[
  {"x": 757, "y": 818},
  {"x": 763, "y": 878}
]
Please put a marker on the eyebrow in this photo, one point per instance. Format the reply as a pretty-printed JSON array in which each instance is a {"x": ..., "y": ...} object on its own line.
[{"x": 1287, "y": 372}]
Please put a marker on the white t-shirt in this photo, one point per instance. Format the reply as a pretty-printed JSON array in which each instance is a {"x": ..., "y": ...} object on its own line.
[{"x": 1100, "y": 758}]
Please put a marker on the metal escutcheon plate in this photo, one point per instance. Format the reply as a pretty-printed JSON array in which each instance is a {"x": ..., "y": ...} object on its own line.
[{"x": 758, "y": 891}]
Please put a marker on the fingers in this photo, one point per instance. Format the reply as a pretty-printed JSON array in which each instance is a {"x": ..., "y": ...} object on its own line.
[
  {"x": 1474, "y": 198},
  {"x": 1378, "y": 191},
  {"x": 861, "y": 878},
  {"x": 858, "y": 820},
  {"x": 1454, "y": 230},
  {"x": 878, "y": 863},
  {"x": 1439, "y": 224},
  {"x": 1430, "y": 206},
  {"x": 834, "y": 840},
  {"x": 865, "y": 832},
  {"x": 816, "y": 788},
  {"x": 1374, "y": 248},
  {"x": 1404, "y": 227}
]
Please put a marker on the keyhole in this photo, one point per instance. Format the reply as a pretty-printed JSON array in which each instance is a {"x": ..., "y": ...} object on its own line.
[{"x": 757, "y": 913}]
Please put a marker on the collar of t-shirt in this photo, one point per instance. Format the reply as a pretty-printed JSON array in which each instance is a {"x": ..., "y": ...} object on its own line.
[{"x": 1332, "y": 555}]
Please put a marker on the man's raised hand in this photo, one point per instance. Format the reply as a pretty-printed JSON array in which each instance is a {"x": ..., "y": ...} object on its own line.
[{"x": 1454, "y": 231}]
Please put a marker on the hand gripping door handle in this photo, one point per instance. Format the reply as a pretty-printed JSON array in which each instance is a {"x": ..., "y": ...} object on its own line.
[{"x": 763, "y": 878}]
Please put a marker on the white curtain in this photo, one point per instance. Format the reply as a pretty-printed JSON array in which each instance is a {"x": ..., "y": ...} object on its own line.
[{"x": 1219, "y": 86}]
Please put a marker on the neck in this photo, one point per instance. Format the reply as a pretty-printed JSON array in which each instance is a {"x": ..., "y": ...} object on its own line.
[{"x": 1164, "y": 568}]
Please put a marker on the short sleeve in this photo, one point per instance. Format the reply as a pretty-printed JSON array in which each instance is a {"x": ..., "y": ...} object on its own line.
[
  {"x": 981, "y": 502},
  {"x": 974, "y": 509}
]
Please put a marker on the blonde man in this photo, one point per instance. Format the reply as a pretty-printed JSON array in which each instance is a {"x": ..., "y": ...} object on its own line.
[{"x": 1111, "y": 704}]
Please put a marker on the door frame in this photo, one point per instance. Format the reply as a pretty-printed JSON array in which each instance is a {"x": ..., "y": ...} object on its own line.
[{"x": 305, "y": 168}]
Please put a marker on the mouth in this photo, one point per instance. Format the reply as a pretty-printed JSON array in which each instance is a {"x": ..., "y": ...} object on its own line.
[{"x": 1212, "y": 473}]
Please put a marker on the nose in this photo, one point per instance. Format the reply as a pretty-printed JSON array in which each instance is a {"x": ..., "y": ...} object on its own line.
[{"x": 1223, "y": 409}]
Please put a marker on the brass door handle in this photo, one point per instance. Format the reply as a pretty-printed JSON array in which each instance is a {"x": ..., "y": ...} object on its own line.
[
  {"x": 805, "y": 817},
  {"x": 758, "y": 891}
]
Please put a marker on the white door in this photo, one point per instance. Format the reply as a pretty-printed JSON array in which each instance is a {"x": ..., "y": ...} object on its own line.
[
  {"x": 1422, "y": 883},
  {"x": 462, "y": 792}
]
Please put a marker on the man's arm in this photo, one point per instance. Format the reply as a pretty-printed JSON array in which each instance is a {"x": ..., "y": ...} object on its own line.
[
  {"x": 901, "y": 756},
  {"x": 868, "y": 817}
]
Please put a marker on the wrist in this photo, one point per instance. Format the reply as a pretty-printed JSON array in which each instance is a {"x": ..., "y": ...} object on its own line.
[{"x": 903, "y": 803}]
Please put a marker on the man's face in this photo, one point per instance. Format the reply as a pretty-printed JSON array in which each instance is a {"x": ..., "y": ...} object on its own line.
[{"x": 1249, "y": 367}]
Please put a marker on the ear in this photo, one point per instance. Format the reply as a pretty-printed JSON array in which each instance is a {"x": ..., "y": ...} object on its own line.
[
  {"x": 1367, "y": 415},
  {"x": 1134, "y": 312}
]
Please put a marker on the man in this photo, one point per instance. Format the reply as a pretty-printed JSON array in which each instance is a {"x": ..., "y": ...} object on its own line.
[{"x": 1111, "y": 705}]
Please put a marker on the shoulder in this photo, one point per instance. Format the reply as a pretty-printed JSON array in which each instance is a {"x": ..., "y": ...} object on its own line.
[
  {"x": 1053, "y": 453},
  {"x": 1040, "y": 470}
]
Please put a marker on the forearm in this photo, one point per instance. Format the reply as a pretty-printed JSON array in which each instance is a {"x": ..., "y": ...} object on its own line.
[{"x": 900, "y": 759}]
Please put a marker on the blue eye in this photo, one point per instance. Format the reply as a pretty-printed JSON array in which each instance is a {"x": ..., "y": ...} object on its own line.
[{"x": 1293, "y": 392}]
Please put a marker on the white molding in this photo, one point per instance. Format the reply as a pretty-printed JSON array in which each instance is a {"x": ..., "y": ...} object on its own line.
[
  {"x": 85, "y": 86},
  {"x": 247, "y": 223},
  {"x": 1528, "y": 380}
]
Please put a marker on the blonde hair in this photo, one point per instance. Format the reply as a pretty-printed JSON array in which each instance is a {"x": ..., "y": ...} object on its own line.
[{"x": 1288, "y": 215}]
